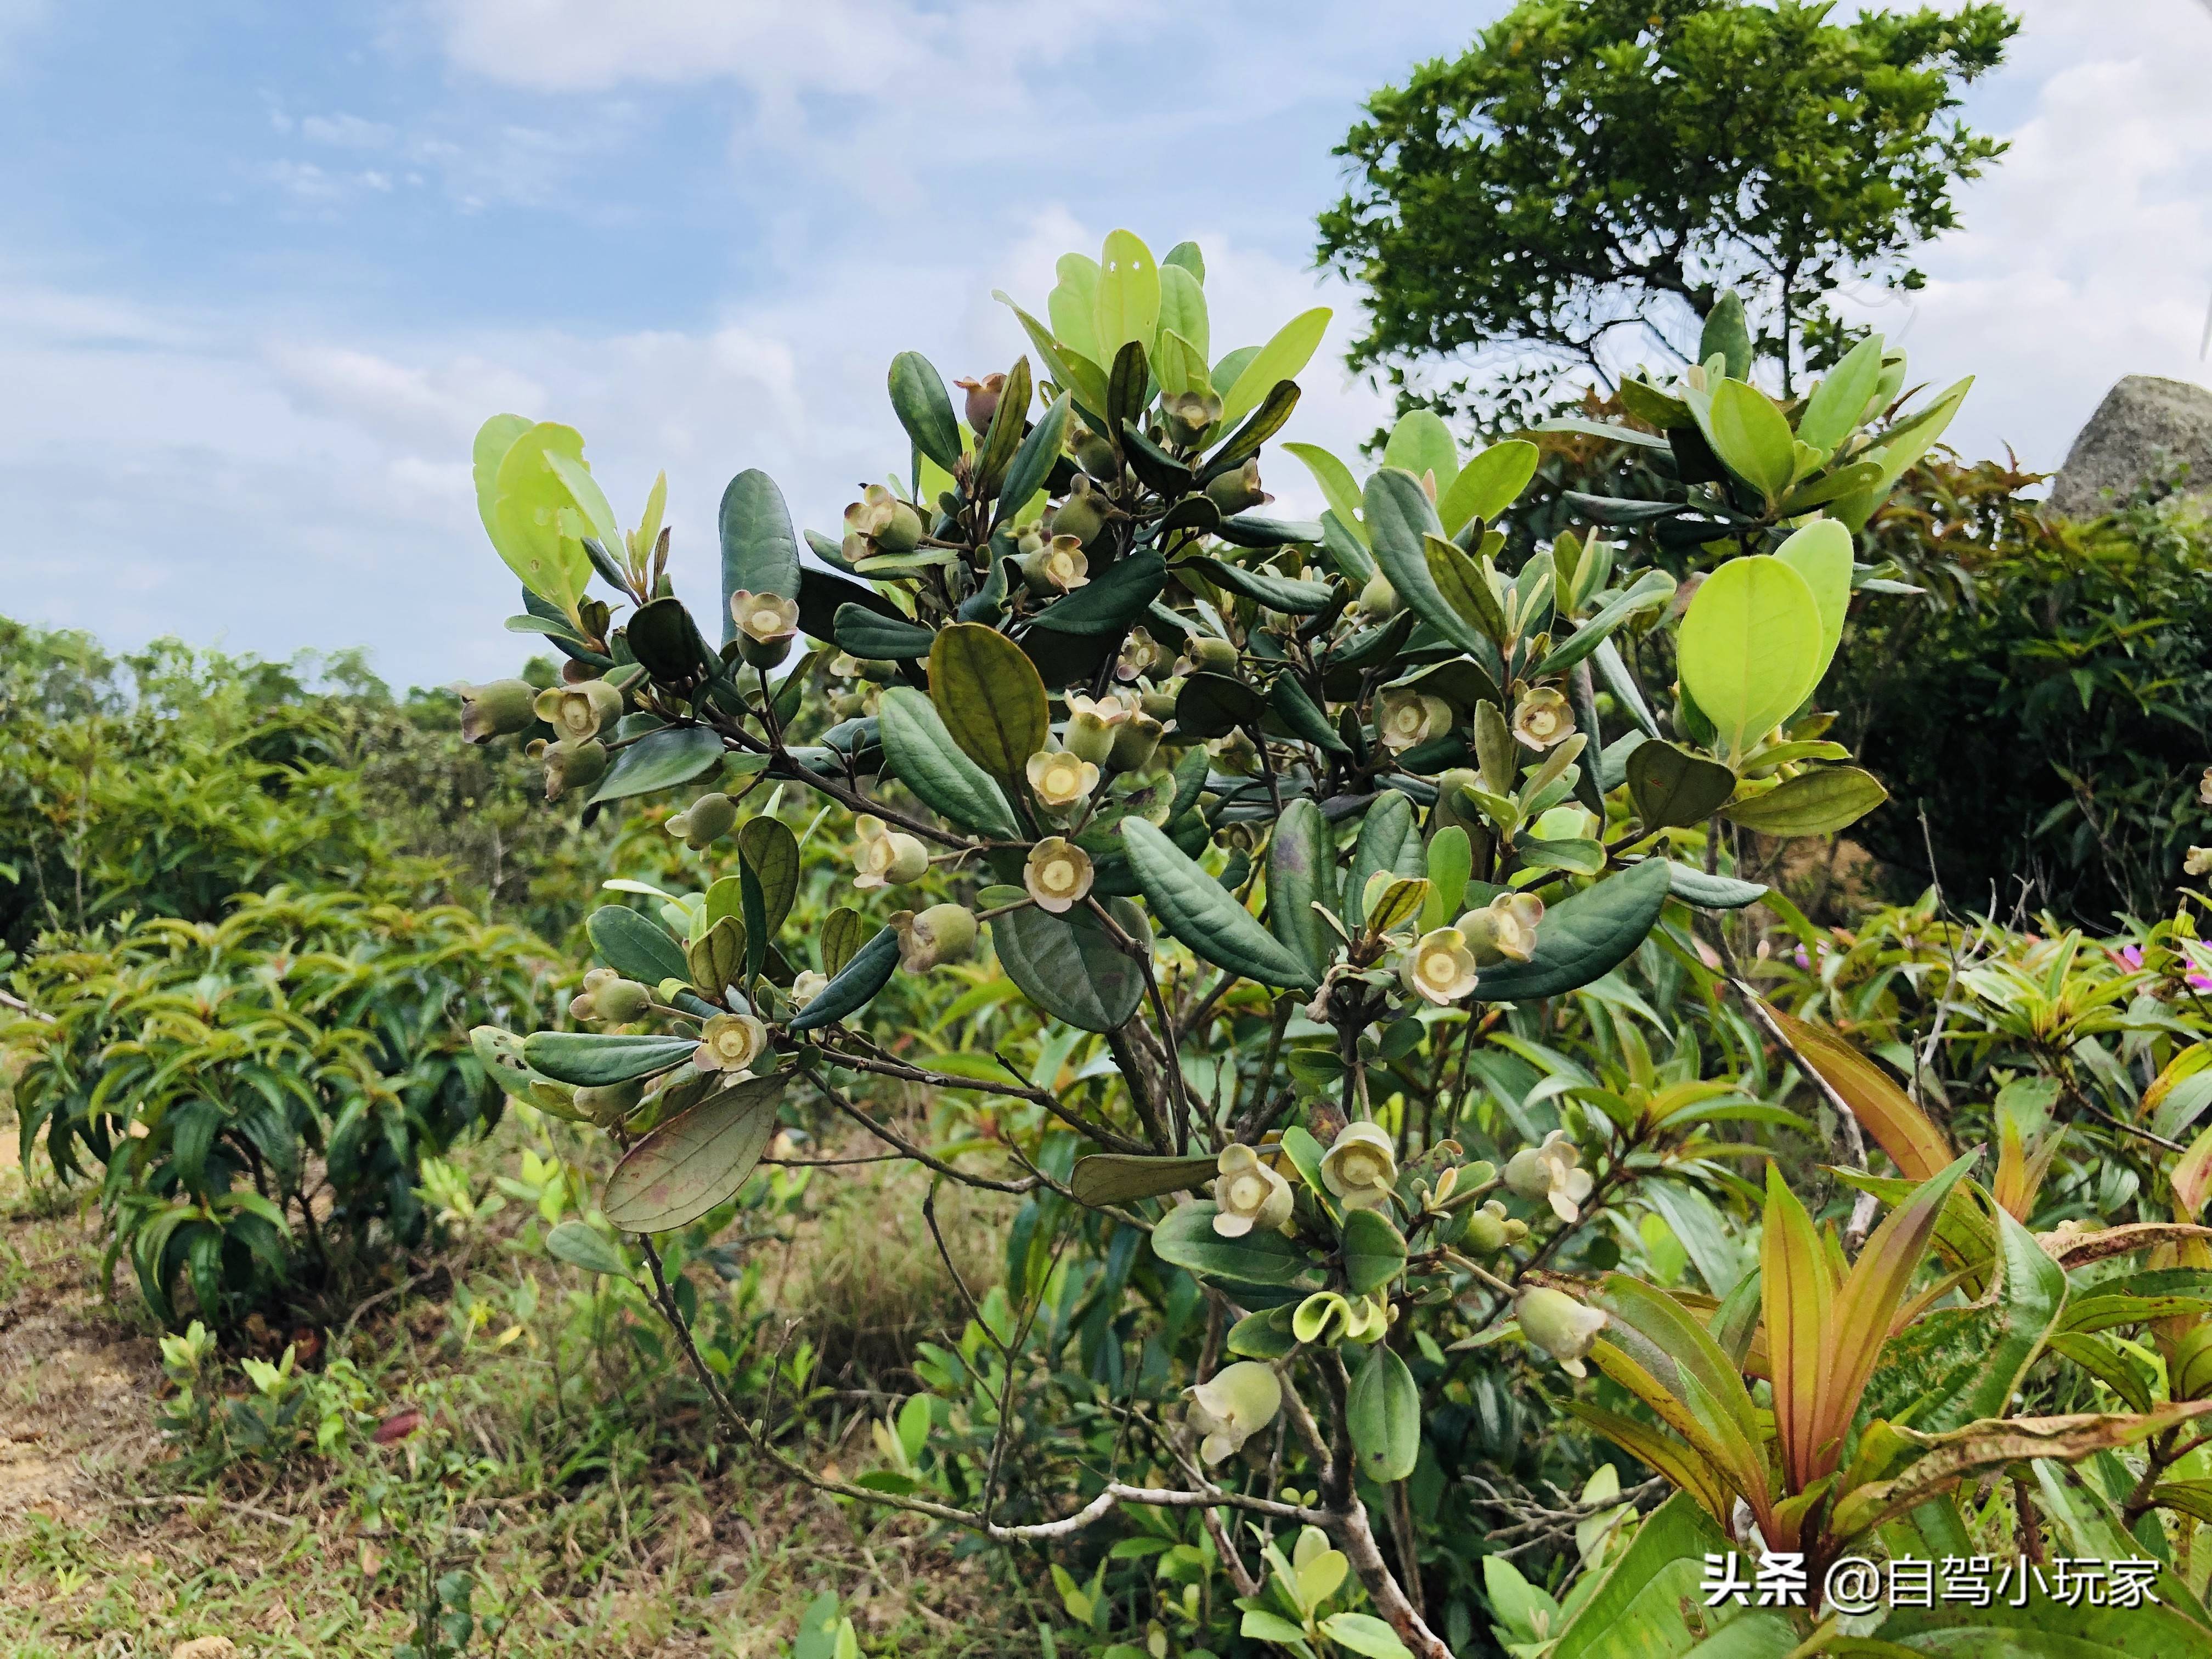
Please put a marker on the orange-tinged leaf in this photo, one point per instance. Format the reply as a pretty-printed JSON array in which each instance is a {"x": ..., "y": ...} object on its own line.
[
  {"x": 1741, "y": 1466},
  {"x": 2079, "y": 1250},
  {"x": 2192, "y": 1178},
  {"x": 1682, "y": 1465},
  {"x": 1868, "y": 1306},
  {"x": 1796, "y": 1296},
  {"x": 1900, "y": 1128}
]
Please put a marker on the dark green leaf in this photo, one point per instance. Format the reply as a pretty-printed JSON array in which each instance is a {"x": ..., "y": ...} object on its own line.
[
  {"x": 1069, "y": 966},
  {"x": 770, "y": 852},
  {"x": 1374, "y": 1252},
  {"x": 1033, "y": 462},
  {"x": 1192, "y": 906},
  {"x": 1712, "y": 892},
  {"x": 634, "y": 946},
  {"x": 843, "y": 932},
  {"x": 1301, "y": 871},
  {"x": 1247, "y": 530},
  {"x": 1185, "y": 1239},
  {"x": 1111, "y": 600},
  {"x": 1583, "y": 938},
  {"x": 1383, "y": 1411},
  {"x": 1292, "y": 598},
  {"x": 854, "y": 985},
  {"x": 874, "y": 638},
  {"x": 1302, "y": 715},
  {"x": 995, "y": 449},
  {"x": 760, "y": 554},
  {"x": 595, "y": 1060},
  {"x": 1399, "y": 519},
  {"x": 1673, "y": 788},
  {"x": 1214, "y": 705},
  {"x": 660, "y": 760},
  {"x": 924, "y": 408},
  {"x": 921, "y": 754},
  {"x": 1262, "y": 424}
]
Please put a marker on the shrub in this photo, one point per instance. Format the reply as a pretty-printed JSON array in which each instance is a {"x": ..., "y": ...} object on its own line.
[
  {"x": 261, "y": 1090},
  {"x": 2046, "y": 705},
  {"x": 1325, "y": 882}
]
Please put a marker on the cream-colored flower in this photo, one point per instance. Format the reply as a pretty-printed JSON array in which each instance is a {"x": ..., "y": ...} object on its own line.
[
  {"x": 806, "y": 986},
  {"x": 1549, "y": 1172},
  {"x": 1094, "y": 724},
  {"x": 765, "y": 618},
  {"x": 1360, "y": 1167},
  {"x": 1057, "y": 874},
  {"x": 1562, "y": 1327},
  {"x": 1249, "y": 1193},
  {"x": 1504, "y": 930},
  {"x": 2198, "y": 861},
  {"x": 1232, "y": 1406},
  {"x": 943, "y": 932},
  {"x": 577, "y": 712},
  {"x": 2204, "y": 788},
  {"x": 1542, "y": 719},
  {"x": 884, "y": 857},
  {"x": 1136, "y": 740},
  {"x": 730, "y": 1043},
  {"x": 1063, "y": 566},
  {"x": 1440, "y": 968},
  {"x": 1139, "y": 656},
  {"x": 883, "y": 522},
  {"x": 1408, "y": 719},
  {"x": 1060, "y": 779}
]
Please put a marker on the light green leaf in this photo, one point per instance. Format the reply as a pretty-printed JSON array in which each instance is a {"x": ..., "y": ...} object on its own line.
[
  {"x": 582, "y": 1245},
  {"x": 1374, "y": 1252},
  {"x": 770, "y": 852},
  {"x": 1831, "y": 413},
  {"x": 1126, "y": 306},
  {"x": 686, "y": 1166},
  {"x": 1071, "y": 307},
  {"x": 660, "y": 760},
  {"x": 1635, "y": 1612},
  {"x": 1422, "y": 443},
  {"x": 1750, "y": 646},
  {"x": 1192, "y": 906},
  {"x": 1337, "y": 487},
  {"x": 1752, "y": 437},
  {"x": 1488, "y": 484},
  {"x": 1820, "y": 552},
  {"x": 1177, "y": 365},
  {"x": 1899, "y": 448},
  {"x": 1182, "y": 309},
  {"x": 1364, "y": 1633},
  {"x": 536, "y": 523},
  {"x": 1812, "y": 802},
  {"x": 1282, "y": 358}
]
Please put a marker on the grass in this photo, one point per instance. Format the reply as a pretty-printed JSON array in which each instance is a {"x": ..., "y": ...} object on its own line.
[{"x": 560, "y": 1460}]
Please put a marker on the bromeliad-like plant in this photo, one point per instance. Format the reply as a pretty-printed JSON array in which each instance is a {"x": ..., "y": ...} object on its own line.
[{"x": 1271, "y": 807}]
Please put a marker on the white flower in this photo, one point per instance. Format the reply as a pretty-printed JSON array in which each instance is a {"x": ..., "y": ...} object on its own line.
[
  {"x": 1360, "y": 1167},
  {"x": 1440, "y": 968},
  {"x": 1548, "y": 1172},
  {"x": 1249, "y": 1194},
  {"x": 1236, "y": 1404},
  {"x": 1562, "y": 1327}
]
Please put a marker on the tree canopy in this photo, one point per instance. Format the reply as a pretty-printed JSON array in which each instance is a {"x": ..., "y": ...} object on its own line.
[{"x": 1571, "y": 194}]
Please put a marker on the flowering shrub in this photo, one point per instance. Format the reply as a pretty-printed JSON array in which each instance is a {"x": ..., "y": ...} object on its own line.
[{"x": 1301, "y": 841}]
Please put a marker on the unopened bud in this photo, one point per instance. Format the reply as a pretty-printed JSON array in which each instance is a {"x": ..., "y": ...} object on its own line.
[
  {"x": 942, "y": 933},
  {"x": 1486, "y": 1229},
  {"x": 1209, "y": 652},
  {"x": 497, "y": 709},
  {"x": 574, "y": 766},
  {"x": 1136, "y": 741},
  {"x": 622, "y": 1001},
  {"x": 982, "y": 406},
  {"x": 1080, "y": 515},
  {"x": 1562, "y": 1327},
  {"x": 1239, "y": 491},
  {"x": 1378, "y": 599},
  {"x": 1094, "y": 453},
  {"x": 705, "y": 822}
]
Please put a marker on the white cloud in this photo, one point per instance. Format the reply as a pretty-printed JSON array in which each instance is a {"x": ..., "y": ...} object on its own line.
[
  {"x": 348, "y": 132},
  {"x": 2086, "y": 252}
]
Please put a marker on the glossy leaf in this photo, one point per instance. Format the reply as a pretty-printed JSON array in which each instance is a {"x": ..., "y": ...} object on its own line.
[
  {"x": 1302, "y": 872},
  {"x": 1584, "y": 937},
  {"x": 871, "y": 637},
  {"x": 1069, "y": 965},
  {"x": 990, "y": 698},
  {"x": 854, "y": 985},
  {"x": 1373, "y": 1251},
  {"x": 770, "y": 851},
  {"x": 686, "y": 1166},
  {"x": 1489, "y": 483},
  {"x": 1033, "y": 461},
  {"x": 1192, "y": 905},
  {"x": 922, "y": 756},
  {"x": 1126, "y": 306},
  {"x": 1752, "y": 437},
  {"x": 660, "y": 760},
  {"x": 1111, "y": 600},
  {"x": 1185, "y": 1239},
  {"x": 1282, "y": 358},
  {"x": 1750, "y": 646},
  {"x": 1635, "y": 1612},
  {"x": 1284, "y": 594},
  {"x": 760, "y": 554},
  {"x": 1820, "y": 552},
  {"x": 924, "y": 408},
  {"x": 1421, "y": 443},
  {"x": 1832, "y": 414},
  {"x": 595, "y": 1060}
]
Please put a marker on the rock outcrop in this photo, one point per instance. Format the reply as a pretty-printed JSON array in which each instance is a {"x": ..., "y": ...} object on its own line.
[{"x": 2141, "y": 429}]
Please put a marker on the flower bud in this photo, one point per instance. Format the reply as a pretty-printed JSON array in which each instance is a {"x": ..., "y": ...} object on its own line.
[
  {"x": 1094, "y": 453},
  {"x": 1239, "y": 491},
  {"x": 942, "y": 933},
  {"x": 884, "y": 857},
  {"x": 1440, "y": 968},
  {"x": 1378, "y": 599},
  {"x": 982, "y": 406},
  {"x": 730, "y": 1043},
  {"x": 497, "y": 709},
  {"x": 705, "y": 822},
  {"x": 1214, "y": 655},
  {"x": 1562, "y": 1327},
  {"x": 609, "y": 1105},
  {"x": 577, "y": 712},
  {"x": 1060, "y": 779},
  {"x": 622, "y": 1001},
  {"x": 1190, "y": 416},
  {"x": 1136, "y": 741},
  {"x": 1232, "y": 1406},
  {"x": 1496, "y": 933},
  {"x": 1249, "y": 1193},
  {"x": 1079, "y": 516},
  {"x": 1406, "y": 719},
  {"x": 574, "y": 766},
  {"x": 767, "y": 624},
  {"x": 1548, "y": 1171},
  {"x": 1486, "y": 1229},
  {"x": 1057, "y": 874},
  {"x": 1360, "y": 1167},
  {"x": 2197, "y": 861},
  {"x": 1542, "y": 719}
]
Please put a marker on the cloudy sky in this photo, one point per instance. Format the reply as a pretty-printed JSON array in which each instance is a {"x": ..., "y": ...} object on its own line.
[{"x": 265, "y": 268}]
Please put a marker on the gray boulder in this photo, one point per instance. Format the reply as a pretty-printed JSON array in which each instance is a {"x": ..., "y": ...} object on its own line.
[{"x": 2144, "y": 426}]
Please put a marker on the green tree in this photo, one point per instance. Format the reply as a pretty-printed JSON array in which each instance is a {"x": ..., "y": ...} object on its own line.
[{"x": 1576, "y": 191}]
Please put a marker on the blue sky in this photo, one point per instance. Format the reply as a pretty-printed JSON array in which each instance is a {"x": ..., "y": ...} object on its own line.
[{"x": 264, "y": 268}]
